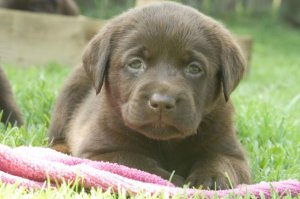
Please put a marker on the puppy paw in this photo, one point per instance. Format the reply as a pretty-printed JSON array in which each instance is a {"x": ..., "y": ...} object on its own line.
[
  {"x": 177, "y": 180},
  {"x": 212, "y": 181}
]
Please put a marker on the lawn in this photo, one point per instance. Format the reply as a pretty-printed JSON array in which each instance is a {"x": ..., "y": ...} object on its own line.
[{"x": 267, "y": 105}]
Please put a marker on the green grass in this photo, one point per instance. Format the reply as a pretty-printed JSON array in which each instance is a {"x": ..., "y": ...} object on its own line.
[
  {"x": 267, "y": 106},
  {"x": 268, "y": 100},
  {"x": 105, "y": 9},
  {"x": 35, "y": 90}
]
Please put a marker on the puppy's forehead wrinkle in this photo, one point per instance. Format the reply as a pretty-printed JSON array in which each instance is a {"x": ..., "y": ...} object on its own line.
[
  {"x": 172, "y": 20},
  {"x": 162, "y": 39},
  {"x": 159, "y": 32},
  {"x": 153, "y": 32}
]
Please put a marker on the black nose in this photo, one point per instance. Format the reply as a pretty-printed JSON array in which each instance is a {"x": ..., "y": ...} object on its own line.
[{"x": 162, "y": 102}]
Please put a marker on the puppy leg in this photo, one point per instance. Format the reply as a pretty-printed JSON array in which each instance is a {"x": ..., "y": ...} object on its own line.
[
  {"x": 138, "y": 161},
  {"x": 220, "y": 165},
  {"x": 75, "y": 89},
  {"x": 219, "y": 172},
  {"x": 11, "y": 113}
]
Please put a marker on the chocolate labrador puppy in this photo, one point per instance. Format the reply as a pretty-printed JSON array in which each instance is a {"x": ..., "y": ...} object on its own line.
[
  {"x": 8, "y": 106},
  {"x": 153, "y": 93},
  {"x": 65, "y": 7}
]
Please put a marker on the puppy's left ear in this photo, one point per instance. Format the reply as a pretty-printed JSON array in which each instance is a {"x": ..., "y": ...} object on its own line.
[
  {"x": 96, "y": 58},
  {"x": 232, "y": 65}
]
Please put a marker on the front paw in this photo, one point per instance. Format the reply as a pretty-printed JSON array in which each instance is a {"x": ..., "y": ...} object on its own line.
[
  {"x": 212, "y": 180},
  {"x": 177, "y": 180}
]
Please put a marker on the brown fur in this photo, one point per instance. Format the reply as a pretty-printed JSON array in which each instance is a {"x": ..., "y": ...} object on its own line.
[
  {"x": 8, "y": 106},
  {"x": 162, "y": 116},
  {"x": 65, "y": 7}
]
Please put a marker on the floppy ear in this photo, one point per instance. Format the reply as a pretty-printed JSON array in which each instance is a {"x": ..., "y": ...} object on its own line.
[
  {"x": 232, "y": 65},
  {"x": 96, "y": 58}
]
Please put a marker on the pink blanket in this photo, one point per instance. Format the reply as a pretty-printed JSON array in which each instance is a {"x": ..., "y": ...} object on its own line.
[{"x": 33, "y": 167}]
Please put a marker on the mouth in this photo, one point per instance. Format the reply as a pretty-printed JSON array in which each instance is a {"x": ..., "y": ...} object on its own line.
[
  {"x": 162, "y": 126},
  {"x": 160, "y": 131}
]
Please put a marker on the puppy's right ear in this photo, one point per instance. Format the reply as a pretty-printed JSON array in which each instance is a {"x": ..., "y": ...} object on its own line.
[
  {"x": 233, "y": 62},
  {"x": 96, "y": 58}
]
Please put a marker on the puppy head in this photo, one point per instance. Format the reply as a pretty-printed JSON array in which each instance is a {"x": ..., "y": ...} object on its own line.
[{"x": 164, "y": 66}]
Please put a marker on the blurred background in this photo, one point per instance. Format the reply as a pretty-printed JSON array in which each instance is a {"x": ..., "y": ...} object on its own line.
[{"x": 288, "y": 10}]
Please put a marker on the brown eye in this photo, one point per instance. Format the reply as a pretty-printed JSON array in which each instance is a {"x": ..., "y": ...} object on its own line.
[
  {"x": 193, "y": 69},
  {"x": 136, "y": 64}
]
